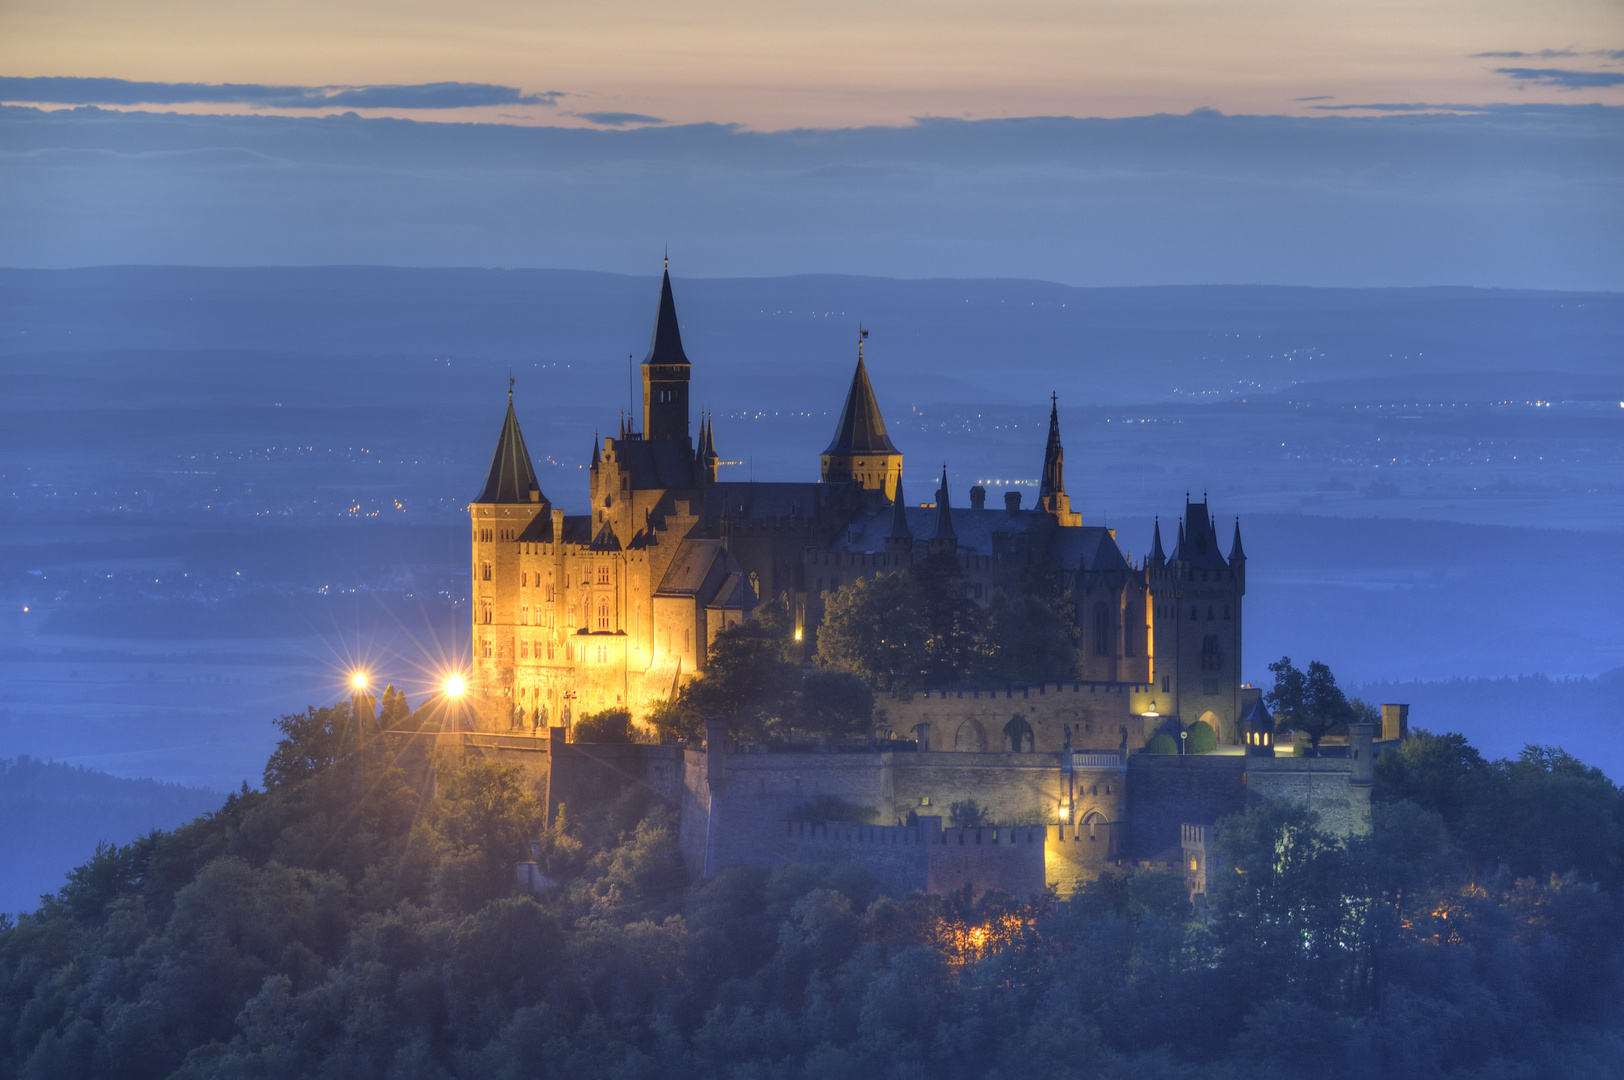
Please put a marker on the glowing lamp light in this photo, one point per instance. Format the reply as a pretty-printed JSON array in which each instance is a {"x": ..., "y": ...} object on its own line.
[
  {"x": 359, "y": 680},
  {"x": 797, "y": 633},
  {"x": 454, "y": 686}
]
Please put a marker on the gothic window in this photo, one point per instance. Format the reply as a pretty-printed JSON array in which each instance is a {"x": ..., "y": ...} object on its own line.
[
  {"x": 1102, "y": 630},
  {"x": 524, "y": 615},
  {"x": 550, "y": 596},
  {"x": 486, "y": 611},
  {"x": 485, "y": 647},
  {"x": 484, "y": 571},
  {"x": 687, "y": 640},
  {"x": 1018, "y": 734},
  {"x": 549, "y": 650},
  {"x": 603, "y": 614},
  {"x": 524, "y": 650},
  {"x": 603, "y": 574},
  {"x": 1212, "y": 657},
  {"x": 1167, "y": 684}
]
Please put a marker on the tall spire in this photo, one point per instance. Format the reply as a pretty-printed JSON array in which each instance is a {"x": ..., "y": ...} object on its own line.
[
  {"x": 1157, "y": 557},
  {"x": 945, "y": 539},
  {"x": 512, "y": 475},
  {"x": 666, "y": 372},
  {"x": 1052, "y": 497},
  {"x": 1054, "y": 480},
  {"x": 899, "y": 515},
  {"x": 1236, "y": 552}
]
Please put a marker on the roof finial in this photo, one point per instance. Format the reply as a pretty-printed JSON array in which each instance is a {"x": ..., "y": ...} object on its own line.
[
  {"x": 510, "y": 387},
  {"x": 862, "y": 336},
  {"x": 668, "y": 256}
]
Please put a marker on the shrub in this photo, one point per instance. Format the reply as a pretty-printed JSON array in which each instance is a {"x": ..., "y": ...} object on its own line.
[
  {"x": 966, "y": 815},
  {"x": 609, "y": 726},
  {"x": 834, "y": 808},
  {"x": 1162, "y": 744},
  {"x": 1201, "y": 738}
]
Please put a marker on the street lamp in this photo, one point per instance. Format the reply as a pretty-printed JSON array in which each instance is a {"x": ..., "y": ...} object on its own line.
[
  {"x": 359, "y": 680},
  {"x": 454, "y": 686}
]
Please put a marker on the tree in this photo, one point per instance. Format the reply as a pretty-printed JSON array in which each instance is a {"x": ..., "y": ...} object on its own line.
[
  {"x": 1027, "y": 641},
  {"x": 954, "y": 620},
  {"x": 967, "y": 814},
  {"x": 747, "y": 680},
  {"x": 877, "y": 628},
  {"x": 835, "y": 703},
  {"x": 1308, "y": 702}
]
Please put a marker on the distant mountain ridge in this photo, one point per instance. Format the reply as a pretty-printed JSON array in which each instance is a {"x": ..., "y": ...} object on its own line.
[{"x": 55, "y": 814}]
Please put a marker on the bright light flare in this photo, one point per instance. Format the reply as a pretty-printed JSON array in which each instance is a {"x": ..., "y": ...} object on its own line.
[
  {"x": 359, "y": 680},
  {"x": 455, "y": 686}
]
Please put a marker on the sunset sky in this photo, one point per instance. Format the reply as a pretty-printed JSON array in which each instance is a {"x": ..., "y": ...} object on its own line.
[{"x": 775, "y": 65}]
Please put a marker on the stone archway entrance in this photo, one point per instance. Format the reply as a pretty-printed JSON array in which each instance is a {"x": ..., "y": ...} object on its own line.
[{"x": 970, "y": 737}]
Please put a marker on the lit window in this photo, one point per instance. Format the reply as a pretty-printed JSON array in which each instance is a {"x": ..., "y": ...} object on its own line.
[
  {"x": 603, "y": 614},
  {"x": 484, "y": 571}
]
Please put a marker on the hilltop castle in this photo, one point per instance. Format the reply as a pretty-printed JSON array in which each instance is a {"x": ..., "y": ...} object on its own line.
[{"x": 616, "y": 608}]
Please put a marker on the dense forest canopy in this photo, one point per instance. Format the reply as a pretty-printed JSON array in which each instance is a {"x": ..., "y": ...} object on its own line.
[{"x": 360, "y": 917}]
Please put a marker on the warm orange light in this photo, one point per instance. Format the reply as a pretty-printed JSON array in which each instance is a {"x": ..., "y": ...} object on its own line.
[
  {"x": 454, "y": 686},
  {"x": 359, "y": 680}
]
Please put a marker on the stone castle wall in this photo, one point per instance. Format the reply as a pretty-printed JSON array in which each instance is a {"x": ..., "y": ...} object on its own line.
[{"x": 1096, "y": 712}]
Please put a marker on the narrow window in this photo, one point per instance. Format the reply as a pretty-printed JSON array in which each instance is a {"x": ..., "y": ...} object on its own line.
[{"x": 484, "y": 571}]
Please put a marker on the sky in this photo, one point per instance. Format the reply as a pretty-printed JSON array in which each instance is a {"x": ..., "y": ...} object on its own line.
[
  {"x": 838, "y": 63},
  {"x": 1156, "y": 142}
]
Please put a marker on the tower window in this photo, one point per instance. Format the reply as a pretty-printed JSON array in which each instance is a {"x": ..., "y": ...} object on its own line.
[
  {"x": 484, "y": 571},
  {"x": 486, "y": 611},
  {"x": 1212, "y": 657},
  {"x": 603, "y": 574},
  {"x": 1102, "y": 630},
  {"x": 603, "y": 614}
]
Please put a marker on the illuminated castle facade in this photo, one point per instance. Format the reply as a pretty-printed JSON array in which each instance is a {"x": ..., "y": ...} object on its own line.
[{"x": 573, "y": 614}]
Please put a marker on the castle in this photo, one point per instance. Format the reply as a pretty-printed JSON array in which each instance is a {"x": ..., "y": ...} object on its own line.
[
  {"x": 616, "y": 608},
  {"x": 574, "y": 614}
]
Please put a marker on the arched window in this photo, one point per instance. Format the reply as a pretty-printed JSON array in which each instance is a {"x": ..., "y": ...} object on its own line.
[
  {"x": 1102, "y": 630},
  {"x": 1018, "y": 735},
  {"x": 603, "y": 614}
]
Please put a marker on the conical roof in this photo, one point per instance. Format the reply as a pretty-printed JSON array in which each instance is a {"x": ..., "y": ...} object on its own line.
[
  {"x": 1156, "y": 555},
  {"x": 665, "y": 346},
  {"x": 1235, "y": 549},
  {"x": 512, "y": 476},
  {"x": 862, "y": 428}
]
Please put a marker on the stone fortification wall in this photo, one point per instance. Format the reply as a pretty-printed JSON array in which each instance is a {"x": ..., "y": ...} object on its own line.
[
  {"x": 1075, "y": 854},
  {"x": 896, "y": 855},
  {"x": 963, "y": 719},
  {"x": 581, "y": 773},
  {"x": 1167, "y": 791},
  {"x": 1324, "y": 785},
  {"x": 1009, "y": 859}
]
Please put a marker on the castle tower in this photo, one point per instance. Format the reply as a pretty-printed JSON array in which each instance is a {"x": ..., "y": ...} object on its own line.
[
  {"x": 1052, "y": 497},
  {"x": 861, "y": 450},
  {"x": 1196, "y": 595},
  {"x": 509, "y": 502},
  {"x": 665, "y": 373}
]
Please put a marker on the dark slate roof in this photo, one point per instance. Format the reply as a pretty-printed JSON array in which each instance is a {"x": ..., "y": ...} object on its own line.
[
  {"x": 512, "y": 476},
  {"x": 577, "y": 530},
  {"x": 1156, "y": 553},
  {"x": 1236, "y": 552},
  {"x": 1199, "y": 545},
  {"x": 665, "y": 346},
  {"x": 862, "y": 428},
  {"x": 690, "y": 566},
  {"x": 656, "y": 464},
  {"x": 606, "y": 540},
  {"x": 744, "y": 500},
  {"x": 1257, "y": 714},
  {"x": 735, "y": 592}
]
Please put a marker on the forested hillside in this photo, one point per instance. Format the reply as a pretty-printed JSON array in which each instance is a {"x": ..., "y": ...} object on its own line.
[
  {"x": 359, "y": 917},
  {"x": 55, "y": 813}
]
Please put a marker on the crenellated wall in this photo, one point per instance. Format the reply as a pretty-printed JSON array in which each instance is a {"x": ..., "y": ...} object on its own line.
[{"x": 1100, "y": 715}]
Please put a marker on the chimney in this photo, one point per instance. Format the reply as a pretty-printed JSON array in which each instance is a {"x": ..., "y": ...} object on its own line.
[
  {"x": 978, "y": 498},
  {"x": 1012, "y": 502},
  {"x": 1395, "y": 722}
]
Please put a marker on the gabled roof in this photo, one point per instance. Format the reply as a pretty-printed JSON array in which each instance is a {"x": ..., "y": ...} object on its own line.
[
  {"x": 606, "y": 540},
  {"x": 665, "y": 346},
  {"x": 656, "y": 464},
  {"x": 734, "y": 593},
  {"x": 861, "y": 429},
  {"x": 690, "y": 566},
  {"x": 577, "y": 530},
  {"x": 512, "y": 475}
]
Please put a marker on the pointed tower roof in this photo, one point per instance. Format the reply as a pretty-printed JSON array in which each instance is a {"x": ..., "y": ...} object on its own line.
[
  {"x": 1178, "y": 548},
  {"x": 944, "y": 513},
  {"x": 862, "y": 428},
  {"x": 1156, "y": 555},
  {"x": 665, "y": 347},
  {"x": 899, "y": 515},
  {"x": 512, "y": 476},
  {"x": 1054, "y": 480},
  {"x": 1235, "y": 549}
]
